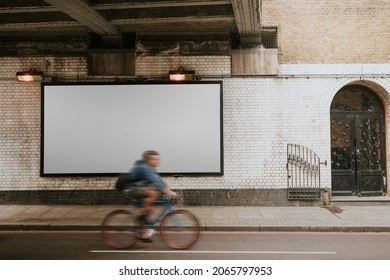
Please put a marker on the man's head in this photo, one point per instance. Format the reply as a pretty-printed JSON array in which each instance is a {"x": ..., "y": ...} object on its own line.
[{"x": 151, "y": 158}]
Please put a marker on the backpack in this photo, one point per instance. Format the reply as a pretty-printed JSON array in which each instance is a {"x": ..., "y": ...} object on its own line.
[{"x": 121, "y": 181}]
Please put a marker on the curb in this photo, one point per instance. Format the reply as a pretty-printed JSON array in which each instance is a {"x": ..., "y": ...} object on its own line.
[{"x": 204, "y": 228}]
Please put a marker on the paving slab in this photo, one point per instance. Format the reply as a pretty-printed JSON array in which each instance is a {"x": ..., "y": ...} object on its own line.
[
  {"x": 10, "y": 211},
  {"x": 211, "y": 218}
]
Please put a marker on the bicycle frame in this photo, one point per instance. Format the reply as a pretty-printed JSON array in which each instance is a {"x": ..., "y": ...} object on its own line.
[
  {"x": 179, "y": 229},
  {"x": 168, "y": 208}
]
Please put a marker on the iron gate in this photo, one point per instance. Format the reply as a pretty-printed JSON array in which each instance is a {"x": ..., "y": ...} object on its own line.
[{"x": 303, "y": 173}]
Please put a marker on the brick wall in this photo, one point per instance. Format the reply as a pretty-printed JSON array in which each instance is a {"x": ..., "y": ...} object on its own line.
[
  {"x": 204, "y": 65},
  {"x": 323, "y": 46},
  {"x": 261, "y": 115},
  {"x": 20, "y": 116},
  {"x": 20, "y": 109},
  {"x": 332, "y": 31}
]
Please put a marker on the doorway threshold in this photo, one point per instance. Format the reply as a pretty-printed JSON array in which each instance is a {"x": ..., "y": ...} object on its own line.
[{"x": 360, "y": 200}]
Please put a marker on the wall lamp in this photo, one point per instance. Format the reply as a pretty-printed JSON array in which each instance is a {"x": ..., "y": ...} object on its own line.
[
  {"x": 31, "y": 75},
  {"x": 181, "y": 75}
]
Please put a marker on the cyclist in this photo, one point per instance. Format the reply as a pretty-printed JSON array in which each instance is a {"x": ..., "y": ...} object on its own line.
[{"x": 143, "y": 182}]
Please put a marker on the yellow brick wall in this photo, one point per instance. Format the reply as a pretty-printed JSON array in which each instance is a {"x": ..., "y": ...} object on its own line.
[{"x": 330, "y": 31}]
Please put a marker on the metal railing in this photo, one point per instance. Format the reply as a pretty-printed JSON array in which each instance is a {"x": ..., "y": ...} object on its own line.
[{"x": 303, "y": 173}]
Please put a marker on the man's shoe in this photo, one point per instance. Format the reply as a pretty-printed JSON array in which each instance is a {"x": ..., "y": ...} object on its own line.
[
  {"x": 149, "y": 232},
  {"x": 146, "y": 234},
  {"x": 146, "y": 240}
]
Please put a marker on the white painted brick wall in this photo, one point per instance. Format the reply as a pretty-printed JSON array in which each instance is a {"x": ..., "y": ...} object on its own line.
[
  {"x": 20, "y": 117},
  {"x": 261, "y": 115}
]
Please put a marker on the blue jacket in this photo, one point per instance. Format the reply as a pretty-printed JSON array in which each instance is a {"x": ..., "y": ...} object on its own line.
[{"x": 141, "y": 172}]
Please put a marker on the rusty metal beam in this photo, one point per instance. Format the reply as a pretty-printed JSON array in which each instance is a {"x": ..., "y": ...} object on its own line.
[
  {"x": 49, "y": 27},
  {"x": 185, "y": 23},
  {"x": 34, "y": 9},
  {"x": 184, "y": 19},
  {"x": 248, "y": 19},
  {"x": 160, "y": 4},
  {"x": 119, "y": 6},
  {"x": 87, "y": 16}
]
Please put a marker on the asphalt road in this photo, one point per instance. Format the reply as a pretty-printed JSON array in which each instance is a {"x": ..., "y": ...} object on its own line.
[{"x": 211, "y": 246}]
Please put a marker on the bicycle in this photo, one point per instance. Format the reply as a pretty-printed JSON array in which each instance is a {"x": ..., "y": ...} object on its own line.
[{"x": 179, "y": 229}]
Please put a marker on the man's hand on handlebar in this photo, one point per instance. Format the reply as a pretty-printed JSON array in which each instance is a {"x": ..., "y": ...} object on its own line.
[{"x": 171, "y": 194}]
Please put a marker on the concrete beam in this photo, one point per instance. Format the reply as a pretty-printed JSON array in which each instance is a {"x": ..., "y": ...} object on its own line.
[
  {"x": 87, "y": 16},
  {"x": 248, "y": 19}
]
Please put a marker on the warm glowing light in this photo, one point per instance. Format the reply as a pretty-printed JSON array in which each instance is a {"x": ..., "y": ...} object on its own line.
[
  {"x": 181, "y": 75},
  {"x": 29, "y": 76},
  {"x": 177, "y": 77}
]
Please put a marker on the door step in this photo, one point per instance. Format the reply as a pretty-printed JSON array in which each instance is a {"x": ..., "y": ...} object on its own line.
[{"x": 360, "y": 201}]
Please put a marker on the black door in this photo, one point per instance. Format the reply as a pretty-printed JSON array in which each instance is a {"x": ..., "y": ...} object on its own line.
[{"x": 358, "y": 143}]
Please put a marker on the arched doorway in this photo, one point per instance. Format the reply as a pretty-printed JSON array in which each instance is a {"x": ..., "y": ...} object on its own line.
[{"x": 358, "y": 143}]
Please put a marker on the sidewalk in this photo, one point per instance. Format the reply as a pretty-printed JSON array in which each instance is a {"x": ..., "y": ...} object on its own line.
[{"x": 212, "y": 218}]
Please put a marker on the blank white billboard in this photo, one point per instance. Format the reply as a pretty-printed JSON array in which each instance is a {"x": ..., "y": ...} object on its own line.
[{"x": 102, "y": 129}]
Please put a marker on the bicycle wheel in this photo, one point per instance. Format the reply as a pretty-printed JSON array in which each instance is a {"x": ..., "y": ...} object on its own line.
[
  {"x": 119, "y": 229},
  {"x": 179, "y": 229}
]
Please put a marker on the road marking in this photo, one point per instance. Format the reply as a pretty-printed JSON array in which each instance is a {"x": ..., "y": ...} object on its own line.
[{"x": 213, "y": 252}]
